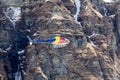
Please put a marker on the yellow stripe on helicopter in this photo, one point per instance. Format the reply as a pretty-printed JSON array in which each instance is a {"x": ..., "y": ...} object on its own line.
[{"x": 57, "y": 39}]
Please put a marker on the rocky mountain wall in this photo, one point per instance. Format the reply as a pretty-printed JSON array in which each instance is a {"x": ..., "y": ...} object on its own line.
[
  {"x": 5, "y": 66},
  {"x": 93, "y": 52}
]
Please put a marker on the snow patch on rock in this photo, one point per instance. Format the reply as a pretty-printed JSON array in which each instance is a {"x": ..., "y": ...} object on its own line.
[
  {"x": 77, "y": 3},
  {"x": 108, "y": 1},
  {"x": 20, "y": 52}
]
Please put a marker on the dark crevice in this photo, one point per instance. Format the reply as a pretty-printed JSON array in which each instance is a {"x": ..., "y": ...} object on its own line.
[
  {"x": 101, "y": 68},
  {"x": 16, "y": 53},
  {"x": 19, "y": 44},
  {"x": 116, "y": 32}
]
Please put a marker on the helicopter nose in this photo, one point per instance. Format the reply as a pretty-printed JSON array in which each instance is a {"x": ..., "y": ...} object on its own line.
[{"x": 67, "y": 41}]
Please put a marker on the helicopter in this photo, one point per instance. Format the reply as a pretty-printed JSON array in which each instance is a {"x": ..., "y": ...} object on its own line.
[{"x": 56, "y": 41}]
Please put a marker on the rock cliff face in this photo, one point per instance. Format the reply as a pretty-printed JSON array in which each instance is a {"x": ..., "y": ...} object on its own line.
[
  {"x": 11, "y": 2},
  {"x": 93, "y": 52},
  {"x": 6, "y": 30},
  {"x": 4, "y": 65}
]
